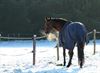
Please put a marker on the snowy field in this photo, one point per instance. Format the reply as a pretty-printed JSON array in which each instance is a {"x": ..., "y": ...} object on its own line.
[{"x": 16, "y": 57}]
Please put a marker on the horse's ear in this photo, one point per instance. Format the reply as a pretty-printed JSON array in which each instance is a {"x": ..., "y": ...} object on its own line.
[{"x": 47, "y": 18}]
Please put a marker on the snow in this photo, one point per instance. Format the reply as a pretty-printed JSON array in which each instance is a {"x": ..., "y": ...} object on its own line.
[{"x": 16, "y": 57}]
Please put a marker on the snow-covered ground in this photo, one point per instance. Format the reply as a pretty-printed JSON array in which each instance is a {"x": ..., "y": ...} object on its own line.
[{"x": 16, "y": 57}]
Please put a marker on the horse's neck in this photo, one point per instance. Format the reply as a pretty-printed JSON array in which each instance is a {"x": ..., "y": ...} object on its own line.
[
  {"x": 65, "y": 24},
  {"x": 58, "y": 27},
  {"x": 61, "y": 25}
]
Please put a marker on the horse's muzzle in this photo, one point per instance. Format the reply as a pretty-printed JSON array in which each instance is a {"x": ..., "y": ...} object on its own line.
[{"x": 44, "y": 33}]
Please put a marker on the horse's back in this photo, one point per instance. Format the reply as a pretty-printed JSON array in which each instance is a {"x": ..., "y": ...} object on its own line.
[
  {"x": 77, "y": 31},
  {"x": 73, "y": 33},
  {"x": 77, "y": 26}
]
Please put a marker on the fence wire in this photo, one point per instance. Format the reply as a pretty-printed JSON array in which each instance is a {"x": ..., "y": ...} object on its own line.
[
  {"x": 97, "y": 32},
  {"x": 21, "y": 38},
  {"x": 89, "y": 33}
]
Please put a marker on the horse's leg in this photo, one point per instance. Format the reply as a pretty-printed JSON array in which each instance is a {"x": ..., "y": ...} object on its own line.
[
  {"x": 81, "y": 55},
  {"x": 64, "y": 54},
  {"x": 70, "y": 53}
]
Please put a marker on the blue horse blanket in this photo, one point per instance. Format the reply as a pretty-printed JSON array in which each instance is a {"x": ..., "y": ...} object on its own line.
[{"x": 71, "y": 34}]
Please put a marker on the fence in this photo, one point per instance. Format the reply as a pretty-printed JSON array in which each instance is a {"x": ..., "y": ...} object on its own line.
[
  {"x": 34, "y": 38},
  {"x": 94, "y": 32}
]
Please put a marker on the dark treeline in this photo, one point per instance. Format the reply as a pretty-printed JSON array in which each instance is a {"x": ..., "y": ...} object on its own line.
[{"x": 27, "y": 16}]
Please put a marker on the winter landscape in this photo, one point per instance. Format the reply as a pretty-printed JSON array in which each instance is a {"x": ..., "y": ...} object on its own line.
[{"x": 16, "y": 57}]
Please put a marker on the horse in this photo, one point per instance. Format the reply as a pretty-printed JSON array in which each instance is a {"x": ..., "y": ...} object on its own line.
[{"x": 70, "y": 34}]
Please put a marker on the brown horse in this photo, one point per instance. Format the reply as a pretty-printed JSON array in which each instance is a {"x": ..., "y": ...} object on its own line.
[{"x": 70, "y": 33}]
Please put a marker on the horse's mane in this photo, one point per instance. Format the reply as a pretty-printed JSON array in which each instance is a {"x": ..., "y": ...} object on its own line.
[{"x": 60, "y": 20}]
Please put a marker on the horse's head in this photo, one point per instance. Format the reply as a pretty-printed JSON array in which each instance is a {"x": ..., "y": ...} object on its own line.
[
  {"x": 53, "y": 25},
  {"x": 50, "y": 27}
]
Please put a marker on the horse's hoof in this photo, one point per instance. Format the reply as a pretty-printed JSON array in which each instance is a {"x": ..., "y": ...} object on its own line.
[
  {"x": 81, "y": 63},
  {"x": 69, "y": 64},
  {"x": 80, "y": 66}
]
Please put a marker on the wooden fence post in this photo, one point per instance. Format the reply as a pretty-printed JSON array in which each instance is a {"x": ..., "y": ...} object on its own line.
[
  {"x": 94, "y": 41},
  {"x": 57, "y": 46},
  {"x": 34, "y": 48}
]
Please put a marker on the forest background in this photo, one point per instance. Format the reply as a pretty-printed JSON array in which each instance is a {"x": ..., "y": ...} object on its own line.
[{"x": 26, "y": 17}]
